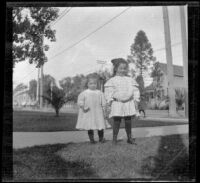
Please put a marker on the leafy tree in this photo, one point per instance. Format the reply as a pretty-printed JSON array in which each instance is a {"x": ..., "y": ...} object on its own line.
[
  {"x": 76, "y": 81},
  {"x": 30, "y": 26},
  {"x": 72, "y": 86},
  {"x": 56, "y": 98},
  {"x": 77, "y": 86},
  {"x": 32, "y": 89},
  {"x": 140, "y": 81},
  {"x": 66, "y": 84},
  {"x": 133, "y": 73},
  {"x": 104, "y": 75},
  {"x": 47, "y": 81},
  {"x": 157, "y": 74},
  {"x": 141, "y": 53}
]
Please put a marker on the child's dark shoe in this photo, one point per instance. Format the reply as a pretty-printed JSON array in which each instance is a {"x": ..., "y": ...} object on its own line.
[
  {"x": 92, "y": 141},
  {"x": 103, "y": 140},
  {"x": 131, "y": 141},
  {"x": 91, "y": 137},
  {"x": 114, "y": 142}
]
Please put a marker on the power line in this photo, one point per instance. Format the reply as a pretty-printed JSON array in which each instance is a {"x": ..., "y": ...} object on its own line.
[
  {"x": 89, "y": 33},
  {"x": 28, "y": 74},
  {"x": 61, "y": 16},
  {"x": 154, "y": 51},
  {"x": 160, "y": 49},
  {"x": 58, "y": 17},
  {"x": 66, "y": 49}
]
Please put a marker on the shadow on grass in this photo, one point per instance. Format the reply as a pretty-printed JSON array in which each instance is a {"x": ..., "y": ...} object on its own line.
[
  {"x": 42, "y": 162},
  {"x": 171, "y": 161}
]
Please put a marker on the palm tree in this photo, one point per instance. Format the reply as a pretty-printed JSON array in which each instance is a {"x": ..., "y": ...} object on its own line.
[{"x": 57, "y": 98}]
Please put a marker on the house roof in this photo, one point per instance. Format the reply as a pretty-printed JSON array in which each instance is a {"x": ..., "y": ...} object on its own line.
[
  {"x": 21, "y": 92},
  {"x": 178, "y": 70}
]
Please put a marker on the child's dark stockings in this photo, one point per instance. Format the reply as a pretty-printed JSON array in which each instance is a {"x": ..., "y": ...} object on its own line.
[
  {"x": 100, "y": 134},
  {"x": 116, "y": 126}
]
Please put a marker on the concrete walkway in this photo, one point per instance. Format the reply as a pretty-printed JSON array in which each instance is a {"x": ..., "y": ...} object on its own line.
[
  {"x": 27, "y": 139},
  {"x": 165, "y": 119}
]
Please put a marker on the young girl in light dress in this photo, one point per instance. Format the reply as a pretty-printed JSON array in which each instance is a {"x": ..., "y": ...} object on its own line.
[
  {"x": 91, "y": 114},
  {"x": 121, "y": 93}
]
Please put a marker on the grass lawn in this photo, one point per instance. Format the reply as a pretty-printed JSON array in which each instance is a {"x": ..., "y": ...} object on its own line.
[
  {"x": 28, "y": 121},
  {"x": 149, "y": 159}
]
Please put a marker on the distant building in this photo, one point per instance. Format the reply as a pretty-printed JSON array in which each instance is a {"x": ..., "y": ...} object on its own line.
[
  {"x": 22, "y": 98},
  {"x": 178, "y": 81}
]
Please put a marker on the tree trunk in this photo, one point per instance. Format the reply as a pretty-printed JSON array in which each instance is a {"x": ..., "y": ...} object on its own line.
[
  {"x": 57, "y": 112},
  {"x": 141, "y": 71}
]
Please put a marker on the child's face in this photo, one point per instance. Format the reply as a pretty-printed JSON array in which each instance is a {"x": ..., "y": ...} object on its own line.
[
  {"x": 92, "y": 84},
  {"x": 122, "y": 69}
]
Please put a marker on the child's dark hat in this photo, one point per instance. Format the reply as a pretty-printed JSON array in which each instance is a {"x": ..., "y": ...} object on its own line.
[{"x": 118, "y": 60}]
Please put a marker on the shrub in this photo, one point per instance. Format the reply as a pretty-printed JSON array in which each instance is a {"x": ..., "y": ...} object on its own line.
[{"x": 179, "y": 97}]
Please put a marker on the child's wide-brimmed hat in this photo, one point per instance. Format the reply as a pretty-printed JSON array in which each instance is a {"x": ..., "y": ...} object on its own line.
[{"x": 118, "y": 60}]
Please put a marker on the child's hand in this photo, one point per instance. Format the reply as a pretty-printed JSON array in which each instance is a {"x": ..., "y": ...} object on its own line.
[
  {"x": 137, "y": 114},
  {"x": 127, "y": 100},
  {"x": 85, "y": 109},
  {"x": 107, "y": 111},
  {"x": 136, "y": 105}
]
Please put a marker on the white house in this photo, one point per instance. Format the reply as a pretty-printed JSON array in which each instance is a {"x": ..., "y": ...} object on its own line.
[
  {"x": 178, "y": 81},
  {"x": 22, "y": 98}
]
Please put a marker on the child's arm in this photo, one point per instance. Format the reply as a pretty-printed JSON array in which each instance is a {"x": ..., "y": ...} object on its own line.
[
  {"x": 109, "y": 92},
  {"x": 104, "y": 105},
  {"x": 103, "y": 101},
  {"x": 136, "y": 100},
  {"x": 81, "y": 102}
]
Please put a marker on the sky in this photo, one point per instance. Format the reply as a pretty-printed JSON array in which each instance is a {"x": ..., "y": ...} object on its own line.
[{"x": 111, "y": 41}]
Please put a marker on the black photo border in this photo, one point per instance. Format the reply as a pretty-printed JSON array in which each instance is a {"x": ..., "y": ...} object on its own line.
[{"x": 193, "y": 72}]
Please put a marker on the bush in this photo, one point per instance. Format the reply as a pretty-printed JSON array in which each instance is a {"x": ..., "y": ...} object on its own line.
[
  {"x": 164, "y": 105},
  {"x": 180, "y": 98}
]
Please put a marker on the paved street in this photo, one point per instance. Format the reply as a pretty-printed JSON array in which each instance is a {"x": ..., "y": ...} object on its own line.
[{"x": 25, "y": 139}]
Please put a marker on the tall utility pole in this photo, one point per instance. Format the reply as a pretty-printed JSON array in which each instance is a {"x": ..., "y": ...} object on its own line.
[
  {"x": 42, "y": 75},
  {"x": 41, "y": 87},
  {"x": 38, "y": 86},
  {"x": 170, "y": 69},
  {"x": 185, "y": 56},
  {"x": 51, "y": 89},
  {"x": 102, "y": 63}
]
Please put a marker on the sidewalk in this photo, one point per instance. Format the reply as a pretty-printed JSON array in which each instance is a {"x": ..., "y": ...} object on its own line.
[
  {"x": 165, "y": 119},
  {"x": 27, "y": 139}
]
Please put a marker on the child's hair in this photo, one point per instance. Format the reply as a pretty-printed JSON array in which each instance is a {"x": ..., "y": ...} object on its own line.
[
  {"x": 116, "y": 62},
  {"x": 89, "y": 77}
]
